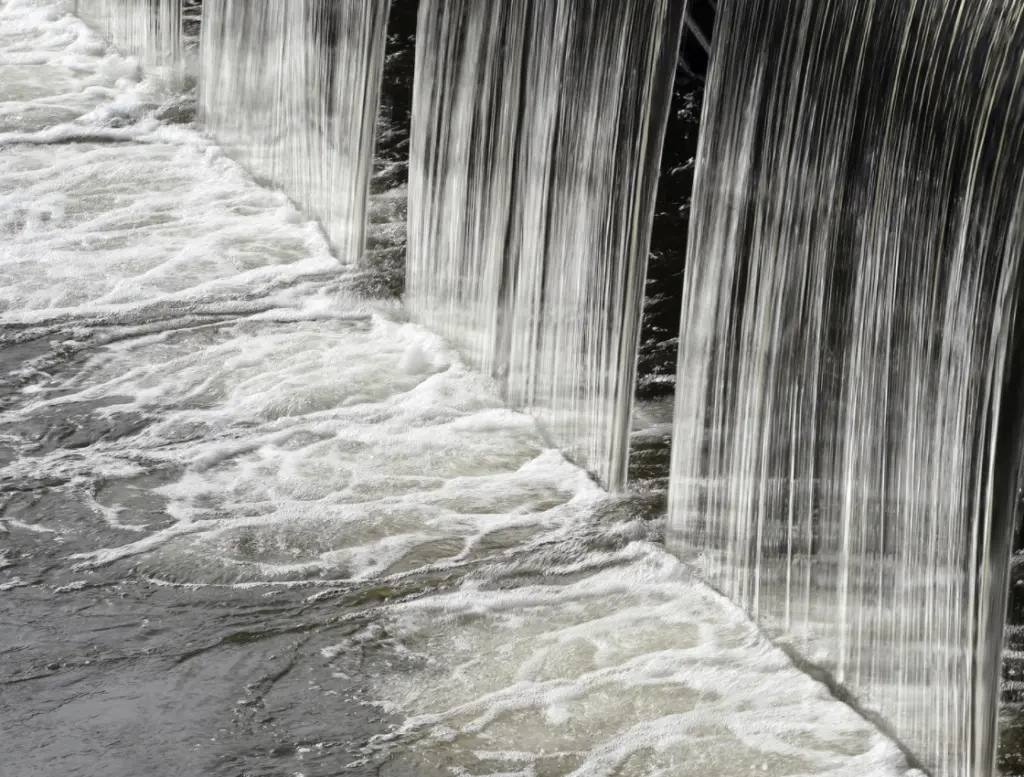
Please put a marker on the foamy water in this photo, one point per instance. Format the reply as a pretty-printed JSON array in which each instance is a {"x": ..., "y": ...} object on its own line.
[{"x": 227, "y": 413}]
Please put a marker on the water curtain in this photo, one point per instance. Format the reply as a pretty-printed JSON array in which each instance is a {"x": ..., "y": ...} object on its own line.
[
  {"x": 155, "y": 31},
  {"x": 537, "y": 132},
  {"x": 845, "y": 459},
  {"x": 291, "y": 90}
]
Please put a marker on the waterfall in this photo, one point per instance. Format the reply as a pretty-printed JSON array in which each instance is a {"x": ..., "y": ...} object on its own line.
[
  {"x": 291, "y": 89},
  {"x": 537, "y": 130},
  {"x": 843, "y": 460},
  {"x": 849, "y": 412},
  {"x": 155, "y": 31}
]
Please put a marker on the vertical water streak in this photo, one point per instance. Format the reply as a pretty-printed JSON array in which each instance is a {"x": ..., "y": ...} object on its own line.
[
  {"x": 537, "y": 130},
  {"x": 852, "y": 280},
  {"x": 291, "y": 91},
  {"x": 152, "y": 30}
]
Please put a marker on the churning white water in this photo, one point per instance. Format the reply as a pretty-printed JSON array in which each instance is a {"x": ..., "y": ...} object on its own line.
[{"x": 187, "y": 377}]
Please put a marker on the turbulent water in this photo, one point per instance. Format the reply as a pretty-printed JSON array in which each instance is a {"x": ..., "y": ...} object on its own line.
[
  {"x": 251, "y": 524},
  {"x": 536, "y": 136},
  {"x": 845, "y": 432}
]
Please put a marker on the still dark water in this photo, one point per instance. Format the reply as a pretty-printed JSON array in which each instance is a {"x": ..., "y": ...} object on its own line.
[{"x": 254, "y": 524}]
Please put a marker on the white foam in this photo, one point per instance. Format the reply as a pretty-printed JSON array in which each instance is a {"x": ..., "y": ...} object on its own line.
[
  {"x": 182, "y": 232},
  {"x": 635, "y": 669},
  {"x": 15, "y": 582},
  {"x": 32, "y": 527},
  {"x": 81, "y": 75},
  {"x": 315, "y": 449}
]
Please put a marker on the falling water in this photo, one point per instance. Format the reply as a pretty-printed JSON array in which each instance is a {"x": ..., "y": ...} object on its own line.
[
  {"x": 537, "y": 129},
  {"x": 841, "y": 458},
  {"x": 291, "y": 90},
  {"x": 155, "y": 31},
  {"x": 252, "y": 525}
]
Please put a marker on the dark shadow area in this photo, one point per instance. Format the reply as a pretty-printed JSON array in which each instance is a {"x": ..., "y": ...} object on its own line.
[
  {"x": 383, "y": 273},
  {"x": 659, "y": 339},
  {"x": 1010, "y": 759},
  {"x": 391, "y": 160}
]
